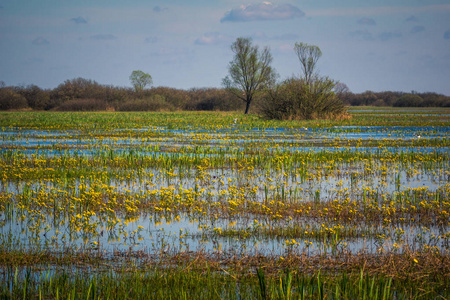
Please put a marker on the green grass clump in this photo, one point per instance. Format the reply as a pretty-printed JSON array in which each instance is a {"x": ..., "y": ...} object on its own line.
[{"x": 177, "y": 283}]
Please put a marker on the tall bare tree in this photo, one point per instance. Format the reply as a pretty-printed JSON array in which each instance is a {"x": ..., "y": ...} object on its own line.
[
  {"x": 308, "y": 56},
  {"x": 249, "y": 71}
]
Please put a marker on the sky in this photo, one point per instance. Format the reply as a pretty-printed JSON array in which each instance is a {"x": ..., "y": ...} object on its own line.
[{"x": 376, "y": 45}]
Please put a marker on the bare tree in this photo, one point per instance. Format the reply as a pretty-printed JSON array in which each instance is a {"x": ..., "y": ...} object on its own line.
[
  {"x": 341, "y": 88},
  {"x": 308, "y": 56},
  {"x": 250, "y": 71}
]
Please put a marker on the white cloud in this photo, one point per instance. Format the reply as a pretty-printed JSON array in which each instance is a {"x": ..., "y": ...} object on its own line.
[
  {"x": 212, "y": 38},
  {"x": 261, "y": 12},
  {"x": 378, "y": 10}
]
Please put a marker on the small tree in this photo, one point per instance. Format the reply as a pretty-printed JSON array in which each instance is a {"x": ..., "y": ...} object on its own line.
[
  {"x": 250, "y": 71},
  {"x": 308, "y": 56},
  {"x": 140, "y": 80}
]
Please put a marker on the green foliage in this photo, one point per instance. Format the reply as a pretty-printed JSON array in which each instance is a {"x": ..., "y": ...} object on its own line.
[
  {"x": 191, "y": 283},
  {"x": 249, "y": 71},
  {"x": 140, "y": 80},
  {"x": 296, "y": 99}
]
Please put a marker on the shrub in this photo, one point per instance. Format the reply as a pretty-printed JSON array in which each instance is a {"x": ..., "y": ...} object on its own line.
[
  {"x": 82, "y": 105},
  {"x": 35, "y": 96},
  {"x": 176, "y": 98},
  {"x": 409, "y": 100},
  {"x": 379, "y": 102},
  {"x": 9, "y": 99},
  {"x": 433, "y": 99},
  {"x": 113, "y": 94},
  {"x": 78, "y": 88},
  {"x": 213, "y": 99},
  {"x": 152, "y": 103},
  {"x": 389, "y": 98},
  {"x": 296, "y": 99}
]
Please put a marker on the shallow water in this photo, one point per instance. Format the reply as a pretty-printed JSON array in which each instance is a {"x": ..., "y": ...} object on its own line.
[{"x": 192, "y": 232}]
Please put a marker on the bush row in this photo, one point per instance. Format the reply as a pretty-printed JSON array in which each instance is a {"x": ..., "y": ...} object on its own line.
[
  {"x": 396, "y": 99},
  {"x": 81, "y": 94}
]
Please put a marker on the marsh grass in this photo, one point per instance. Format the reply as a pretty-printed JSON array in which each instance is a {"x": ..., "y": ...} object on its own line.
[
  {"x": 198, "y": 205},
  {"x": 203, "y": 276}
]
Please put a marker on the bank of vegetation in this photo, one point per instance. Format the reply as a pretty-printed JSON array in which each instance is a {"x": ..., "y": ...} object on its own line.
[
  {"x": 250, "y": 86},
  {"x": 81, "y": 94}
]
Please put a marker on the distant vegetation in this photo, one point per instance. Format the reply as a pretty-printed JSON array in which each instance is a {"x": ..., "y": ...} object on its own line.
[
  {"x": 81, "y": 94},
  {"x": 251, "y": 80},
  {"x": 396, "y": 99}
]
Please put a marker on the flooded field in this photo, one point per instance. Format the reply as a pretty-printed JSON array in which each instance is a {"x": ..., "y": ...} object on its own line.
[{"x": 148, "y": 186}]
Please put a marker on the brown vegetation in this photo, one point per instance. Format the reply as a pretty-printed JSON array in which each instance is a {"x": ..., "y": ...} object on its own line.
[
  {"x": 297, "y": 99},
  {"x": 75, "y": 94}
]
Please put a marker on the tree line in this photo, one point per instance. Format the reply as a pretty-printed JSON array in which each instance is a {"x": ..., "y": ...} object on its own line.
[
  {"x": 87, "y": 95},
  {"x": 81, "y": 94},
  {"x": 251, "y": 85}
]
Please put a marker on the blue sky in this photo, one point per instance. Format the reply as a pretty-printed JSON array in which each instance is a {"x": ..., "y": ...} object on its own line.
[{"x": 397, "y": 45}]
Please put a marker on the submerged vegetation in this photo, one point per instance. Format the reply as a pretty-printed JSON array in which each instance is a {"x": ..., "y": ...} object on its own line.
[{"x": 224, "y": 206}]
